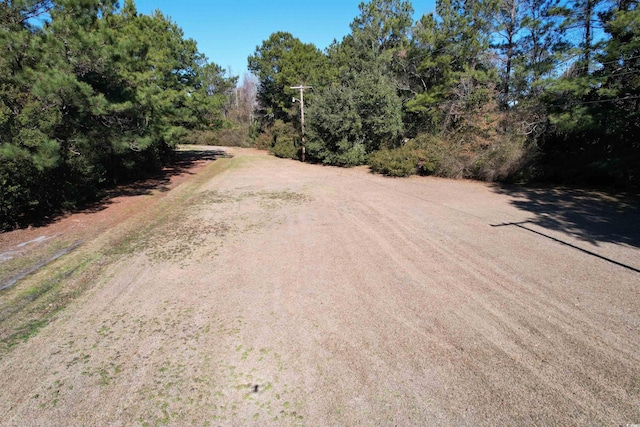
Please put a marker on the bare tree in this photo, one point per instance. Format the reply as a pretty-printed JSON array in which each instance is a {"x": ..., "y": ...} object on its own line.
[{"x": 246, "y": 99}]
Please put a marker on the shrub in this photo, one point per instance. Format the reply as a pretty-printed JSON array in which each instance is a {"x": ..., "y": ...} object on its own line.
[
  {"x": 18, "y": 185},
  {"x": 285, "y": 147},
  {"x": 263, "y": 141},
  {"x": 470, "y": 156},
  {"x": 461, "y": 155},
  {"x": 280, "y": 139},
  {"x": 418, "y": 156},
  {"x": 499, "y": 161},
  {"x": 352, "y": 156},
  {"x": 402, "y": 161},
  {"x": 351, "y": 120},
  {"x": 226, "y": 137},
  {"x": 346, "y": 153}
]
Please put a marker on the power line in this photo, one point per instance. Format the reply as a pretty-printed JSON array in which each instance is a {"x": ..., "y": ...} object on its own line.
[
  {"x": 624, "y": 73},
  {"x": 531, "y": 108},
  {"x": 619, "y": 59},
  {"x": 565, "y": 61},
  {"x": 576, "y": 104},
  {"x": 597, "y": 101}
]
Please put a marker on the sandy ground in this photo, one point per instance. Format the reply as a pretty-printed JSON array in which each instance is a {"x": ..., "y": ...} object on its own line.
[{"x": 261, "y": 291}]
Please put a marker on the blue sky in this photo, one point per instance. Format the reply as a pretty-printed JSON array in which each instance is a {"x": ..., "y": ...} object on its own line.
[{"x": 229, "y": 31}]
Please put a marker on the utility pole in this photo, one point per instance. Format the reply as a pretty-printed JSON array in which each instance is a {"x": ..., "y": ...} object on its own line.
[{"x": 302, "y": 88}]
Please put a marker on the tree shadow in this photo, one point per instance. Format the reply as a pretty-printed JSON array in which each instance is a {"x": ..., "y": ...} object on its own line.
[
  {"x": 593, "y": 216},
  {"x": 183, "y": 163}
]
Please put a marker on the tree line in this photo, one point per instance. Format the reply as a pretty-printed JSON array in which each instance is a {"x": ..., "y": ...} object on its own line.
[
  {"x": 93, "y": 94},
  {"x": 516, "y": 90}
]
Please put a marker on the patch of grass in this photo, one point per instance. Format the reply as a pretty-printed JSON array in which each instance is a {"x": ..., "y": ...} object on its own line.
[
  {"x": 173, "y": 242},
  {"x": 210, "y": 197},
  {"x": 180, "y": 235},
  {"x": 285, "y": 196},
  {"x": 24, "y": 314},
  {"x": 24, "y": 259},
  {"x": 138, "y": 238},
  {"x": 24, "y": 332}
]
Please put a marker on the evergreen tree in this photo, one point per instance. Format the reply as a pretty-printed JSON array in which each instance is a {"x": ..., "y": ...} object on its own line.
[
  {"x": 381, "y": 30},
  {"x": 349, "y": 121},
  {"x": 95, "y": 95},
  {"x": 283, "y": 61},
  {"x": 456, "y": 65}
]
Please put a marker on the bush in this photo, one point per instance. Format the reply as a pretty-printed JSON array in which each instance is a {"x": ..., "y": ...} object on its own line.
[
  {"x": 418, "y": 156},
  {"x": 18, "y": 185},
  {"x": 402, "y": 161},
  {"x": 459, "y": 156},
  {"x": 345, "y": 154},
  {"x": 280, "y": 139},
  {"x": 352, "y": 156},
  {"x": 285, "y": 147},
  {"x": 226, "y": 137},
  {"x": 467, "y": 156},
  {"x": 264, "y": 140},
  {"x": 351, "y": 120},
  {"x": 499, "y": 161}
]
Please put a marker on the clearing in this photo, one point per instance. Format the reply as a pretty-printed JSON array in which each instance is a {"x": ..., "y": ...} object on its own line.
[{"x": 242, "y": 289}]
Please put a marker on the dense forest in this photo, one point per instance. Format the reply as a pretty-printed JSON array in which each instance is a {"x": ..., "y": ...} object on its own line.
[
  {"x": 516, "y": 90},
  {"x": 93, "y": 94}
]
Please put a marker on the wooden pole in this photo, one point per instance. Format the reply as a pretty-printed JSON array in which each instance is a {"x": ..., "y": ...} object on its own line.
[{"x": 302, "y": 88}]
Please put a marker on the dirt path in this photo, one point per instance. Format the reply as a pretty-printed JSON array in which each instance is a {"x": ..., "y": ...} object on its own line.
[{"x": 262, "y": 291}]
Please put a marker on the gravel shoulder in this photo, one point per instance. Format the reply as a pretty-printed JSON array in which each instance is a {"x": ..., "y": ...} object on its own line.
[{"x": 262, "y": 291}]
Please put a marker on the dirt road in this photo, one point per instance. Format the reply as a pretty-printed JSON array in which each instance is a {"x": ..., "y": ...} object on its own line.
[{"x": 261, "y": 291}]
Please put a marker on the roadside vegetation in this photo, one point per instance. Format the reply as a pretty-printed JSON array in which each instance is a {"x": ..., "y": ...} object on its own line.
[
  {"x": 514, "y": 90},
  {"x": 93, "y": 94},
  {"x": 35, "y": 287}
]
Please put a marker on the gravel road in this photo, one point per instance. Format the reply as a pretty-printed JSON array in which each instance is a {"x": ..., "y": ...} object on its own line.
[{"x": 262, "y": 291}]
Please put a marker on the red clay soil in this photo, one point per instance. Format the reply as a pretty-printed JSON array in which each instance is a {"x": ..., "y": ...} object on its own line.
[{"x": 117, "y": 206}]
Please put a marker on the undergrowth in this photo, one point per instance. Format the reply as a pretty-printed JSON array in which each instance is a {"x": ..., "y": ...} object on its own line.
[{"x": 460, "y": 155}]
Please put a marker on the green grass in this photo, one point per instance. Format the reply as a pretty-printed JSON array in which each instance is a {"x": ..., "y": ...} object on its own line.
[
  {"x": 24, "y": 312},
  {"x": 24, "y": 332}
]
